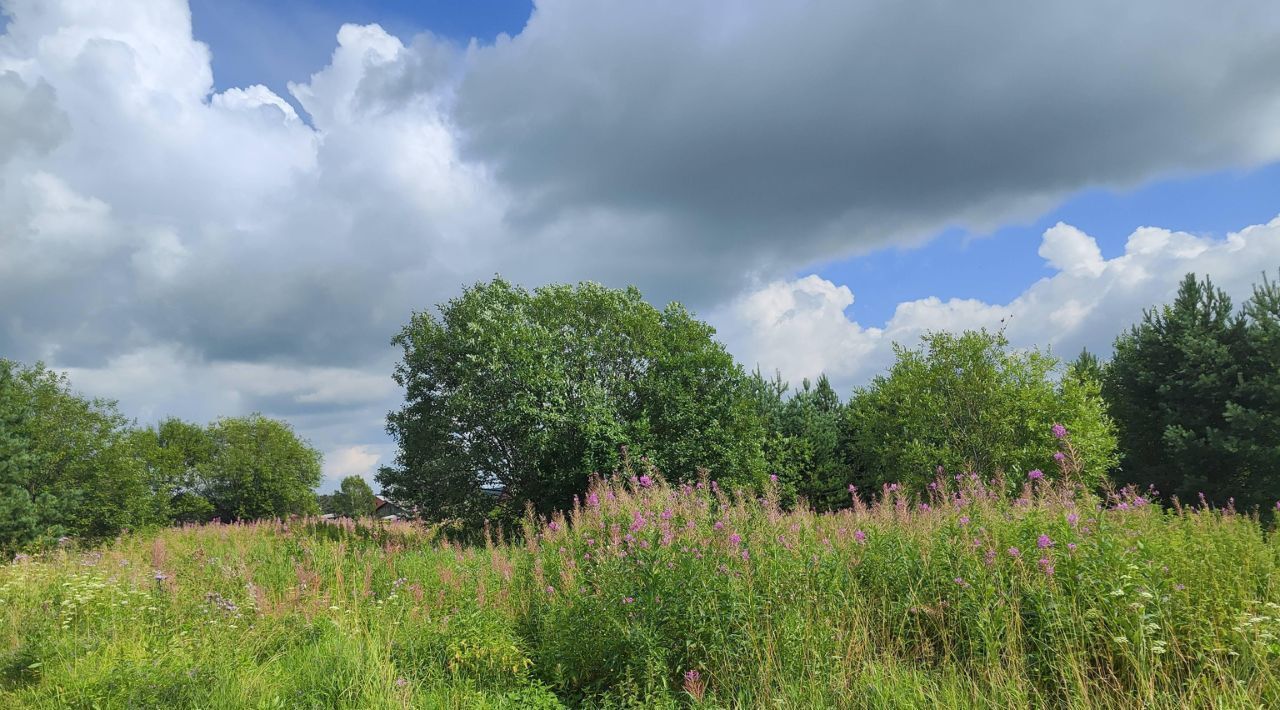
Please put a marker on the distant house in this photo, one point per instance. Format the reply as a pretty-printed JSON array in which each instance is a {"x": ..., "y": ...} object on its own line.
[{"x": 386, "y": 509}]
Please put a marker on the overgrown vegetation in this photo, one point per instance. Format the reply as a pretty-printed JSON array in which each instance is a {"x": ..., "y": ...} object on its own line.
[{"x": 646, "y": 594}]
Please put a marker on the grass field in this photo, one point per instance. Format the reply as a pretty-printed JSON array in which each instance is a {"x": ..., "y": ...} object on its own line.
[{"x": 669, "y": 596}]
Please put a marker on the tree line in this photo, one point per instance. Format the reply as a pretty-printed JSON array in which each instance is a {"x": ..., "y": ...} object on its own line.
[
  {"x": 514, "y": 398},
  {"x": 72, "y": 466},
  {"x": 532, "y": 392}
]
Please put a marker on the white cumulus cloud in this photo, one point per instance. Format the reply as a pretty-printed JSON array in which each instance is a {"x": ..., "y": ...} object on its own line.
[{"x": 799, "y": 327}]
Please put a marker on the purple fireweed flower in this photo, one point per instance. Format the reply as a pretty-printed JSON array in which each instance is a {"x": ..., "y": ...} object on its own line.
[
  {"x": 593, "y": 500},
  {"x": 666, "y": 514},
  {"x": 1043, "y": 541},
  {"x": 1072, "y": 518},
  {"x": 854, "y": 489},
  {"x": 773, "y": 477},
  {"x": 637, "y": 522},
  {"x": 940, "y": 470},
  {"x": 1059, "y": 456},
  {"x": 990, "y": 557},
  {"x": 964, "y": 520},
  {"x": 645, "y": 481},
  {"x": 1035, "y": 474},
  {"x": 734, "y": 538},
  {"x": 924, "y": 507},
  {"x": 551, "y": 589},
  {"x": 1015, "y": 552},
  {"x": 1059, "y": 431},
  {"x": 719, "y": 525},
  {"x": 553, "y": 526},
  {"x": 1071, "y": 546},
  {"x": 960, "y": 581},
  {"x": 401, "y": 682},
  {"x": 859, "y": 536},
  {"x": 1046, "y": 566},
  {"x": 1179, "y": 587},
  {"x": 745, "y": 554},
  {"x": 628, "y": 600}
]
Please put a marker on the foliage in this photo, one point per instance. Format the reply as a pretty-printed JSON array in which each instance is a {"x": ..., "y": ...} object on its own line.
[
  {"x": 803, "y": 439},
  {"x": 531, "y": 392},
  {"x": 1195, "y": 389},
  {"x": 353, "y": 499},
  {"x": 1253, "y": 415},
  {"x": 971, "y": 403},
  {"x": 259, "y": 468},
  {"x": 236, "y": 468},
  {"x": 84, "y": 463},
  {"x": 24, "y": 519},
  {"x": 173, "y": 454},
  {"x": 648, "y": 595}
]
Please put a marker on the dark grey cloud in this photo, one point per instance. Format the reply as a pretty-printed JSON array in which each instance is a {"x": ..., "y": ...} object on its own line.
[{"x": 830, "y": 126}]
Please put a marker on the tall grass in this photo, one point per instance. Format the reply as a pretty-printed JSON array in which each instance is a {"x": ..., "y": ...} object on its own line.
[{"x": 655, "y": 595}]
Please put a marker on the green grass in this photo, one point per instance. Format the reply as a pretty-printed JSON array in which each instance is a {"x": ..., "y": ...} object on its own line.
[{"x": 885, "y": 605}]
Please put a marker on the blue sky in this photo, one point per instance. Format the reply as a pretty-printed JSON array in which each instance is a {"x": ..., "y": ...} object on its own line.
[
  {"x": 182, "y": 232},
  {"x": 997, "y": 266},
  {"x": 276, "y": 42}
]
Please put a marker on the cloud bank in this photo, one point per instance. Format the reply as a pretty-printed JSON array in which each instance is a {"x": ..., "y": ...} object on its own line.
[{"x": 199, "y": 252}]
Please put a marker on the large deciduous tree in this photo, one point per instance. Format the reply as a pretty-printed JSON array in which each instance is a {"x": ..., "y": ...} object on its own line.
[
  {"x": 259, "y": 468},
  {"x": 531, "y": 392},
  {"x": 970, "y": 402}
]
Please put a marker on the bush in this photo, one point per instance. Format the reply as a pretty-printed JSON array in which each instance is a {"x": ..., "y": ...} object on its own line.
[{"x": 970, "y": 403}]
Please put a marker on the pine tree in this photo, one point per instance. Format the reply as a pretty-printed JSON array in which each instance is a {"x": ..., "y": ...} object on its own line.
[
  {"x": 1169, "y": 385},
  {"x": 1253, "y": 416}
]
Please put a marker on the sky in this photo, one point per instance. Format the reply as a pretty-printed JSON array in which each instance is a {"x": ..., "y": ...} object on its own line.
[{"x": 222, "y": 207}]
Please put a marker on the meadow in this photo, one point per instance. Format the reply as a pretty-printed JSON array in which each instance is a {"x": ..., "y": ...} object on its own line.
[{"x": 649, "y": 594}]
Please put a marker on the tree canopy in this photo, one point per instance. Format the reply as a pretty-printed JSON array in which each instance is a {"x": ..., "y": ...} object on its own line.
[
  {"x": 1195, "y": 388},
  {"x": 969, "y": 402},
  {"x": 353, "y": 499},
  {"x": 531, "y": 392}
]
